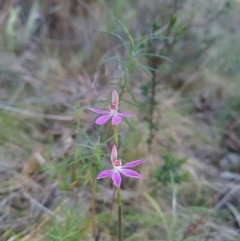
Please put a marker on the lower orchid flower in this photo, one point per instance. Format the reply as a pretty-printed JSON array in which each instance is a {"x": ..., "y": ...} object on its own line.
[
  {"x": 112, "y": 113},
  {"x": 119, "y": 168}
]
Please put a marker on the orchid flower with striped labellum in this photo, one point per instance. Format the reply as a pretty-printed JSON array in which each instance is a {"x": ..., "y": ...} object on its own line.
[
  {"x": 119, "y": 168},
  {"x": 112, "y": 113}
]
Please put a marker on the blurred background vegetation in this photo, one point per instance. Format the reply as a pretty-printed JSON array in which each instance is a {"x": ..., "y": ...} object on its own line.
[{"x": 178, "y": 64}]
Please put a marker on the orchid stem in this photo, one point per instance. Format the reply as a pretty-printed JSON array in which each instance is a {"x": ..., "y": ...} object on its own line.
[
  {"x": 119, "y": 198},
  {"x": 115, "y": 134},
  {"x": 119, "y": 223},
  {"x": 93, "y": 206}
]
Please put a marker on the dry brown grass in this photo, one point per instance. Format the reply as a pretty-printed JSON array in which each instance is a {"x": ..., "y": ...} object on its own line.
[{"x": 46, "y": 75}]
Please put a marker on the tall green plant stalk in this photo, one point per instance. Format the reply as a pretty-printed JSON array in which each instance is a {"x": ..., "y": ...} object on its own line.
[
  {"x": 119, "y": 196},
  {"x": 119, "y": 214},
  {"x": 126, "y": 80},
  {"x": 115, "y": 130},
  {"x": 128, "y": 72},
  {"x": 93, "y": 189},
  {"x": 115, "y": 134}
]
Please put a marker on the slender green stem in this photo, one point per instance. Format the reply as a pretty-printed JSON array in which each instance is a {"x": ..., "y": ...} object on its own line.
[
  {"x": 130, "y": 63},
  {"x": 115, "y": 130},
  {"x": 174, "y": 200},
  {"x": 75, "y": 164},
  {"x": 151, "y": 111},
  {"x": 119, "y": 223},
  {"x": 93, "y": 206},
  {"x": 129, "y": 70},
  {"x": 113, "y": 201},
  {"x": 115, "y": 134},
  {"x": 119, "y": 197}
]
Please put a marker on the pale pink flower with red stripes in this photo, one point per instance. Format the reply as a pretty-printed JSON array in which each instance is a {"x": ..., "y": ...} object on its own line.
[
  {"x": 112, "y": 113},
  {"x": 119, "y": 169}
]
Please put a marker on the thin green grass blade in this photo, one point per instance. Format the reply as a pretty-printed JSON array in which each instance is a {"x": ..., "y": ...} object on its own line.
[
  {"x": 132, "y": 95},
  {"x": 117, "y": 59},
  {"x": 155, "y": 55},
  {"x": 158, "y": 209},
  {"x": 119, "y": 37},
  {"x": 135, "y": 53},
  {"x": 132, "y": 128},
  {"x": 138, "y": 106},
  {"x": 88, "y": 139},
  {"x": 149, "y": 39},
  {"x": 144, "y": 68}
]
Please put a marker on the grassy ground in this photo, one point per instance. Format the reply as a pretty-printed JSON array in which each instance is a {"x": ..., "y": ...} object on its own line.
[{"x": 176, "y": 64}]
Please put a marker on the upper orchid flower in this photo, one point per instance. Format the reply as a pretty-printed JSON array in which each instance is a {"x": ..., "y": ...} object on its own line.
[
  {"x": 118, "y": 168},
  {"x": 113, "y": 112}
]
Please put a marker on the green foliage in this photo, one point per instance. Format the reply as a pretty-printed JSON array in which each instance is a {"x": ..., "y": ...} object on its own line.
[
  {"x": 173, "y": 21},
  {"x": 135, "y": 49},
  {"x": 73, "y": 227},
  {"x": 228, "y": 114},
  {"x": 171, "y": 167},
  {"x": 11, "y": 26}
]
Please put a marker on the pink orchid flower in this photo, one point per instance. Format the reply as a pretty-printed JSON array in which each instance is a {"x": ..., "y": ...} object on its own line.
[
  {"x": 113, "y": 112},
  {"x": 119, "y": 168}
]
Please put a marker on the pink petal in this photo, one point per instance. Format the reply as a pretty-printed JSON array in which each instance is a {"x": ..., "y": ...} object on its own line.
[
  {"x": 116, "y": 177},
  {"x": 129, "y": 173},
  {"x": 104, "y": 174},
  {"x": 125, "y": 114},
  {"x": 103, "y": 119},
  {"x": 102, "y": 112},
  {"x": 114, "y": 153},
  {"x": 133, "y": 163},
  {"x": 116, "y": 119},
  {"x": 115, "y": 98}
]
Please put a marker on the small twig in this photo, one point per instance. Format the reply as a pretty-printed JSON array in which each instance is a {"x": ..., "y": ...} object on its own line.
[
  {"x": 10, "y": 197},
  {"x": 41, "y": 207},
  {"x": 228, "y": 196},
  {"x": 208, "y": 22},
  {"x": 235, "y": 212},
  {"x": 230, "y": 176},
  {"x": 194, "y": 227},
  {"x": 37, "y": 115},
  {"x": 48, "y": 217}
]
